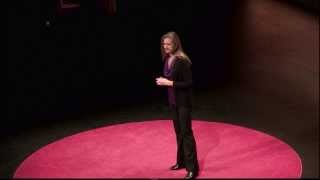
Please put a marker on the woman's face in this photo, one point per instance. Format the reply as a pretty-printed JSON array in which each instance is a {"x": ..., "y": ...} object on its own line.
[{"x": 167, "y": 45}]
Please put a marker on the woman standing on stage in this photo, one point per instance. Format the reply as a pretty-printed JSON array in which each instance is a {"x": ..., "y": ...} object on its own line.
[{"x": 178, "y": 80}]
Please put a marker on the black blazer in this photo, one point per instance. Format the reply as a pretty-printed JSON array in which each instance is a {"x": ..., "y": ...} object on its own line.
[{"x": 182, "y": 82}]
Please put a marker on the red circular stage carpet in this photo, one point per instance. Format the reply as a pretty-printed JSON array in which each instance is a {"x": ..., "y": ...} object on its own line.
[{"x": 147, "y": 150}]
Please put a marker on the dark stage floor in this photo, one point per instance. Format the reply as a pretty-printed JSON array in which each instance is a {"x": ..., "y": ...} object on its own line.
[{"x": 292, "y": 123}]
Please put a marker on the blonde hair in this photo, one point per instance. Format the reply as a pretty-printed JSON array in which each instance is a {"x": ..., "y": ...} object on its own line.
[{"x": 177, "y": 47}]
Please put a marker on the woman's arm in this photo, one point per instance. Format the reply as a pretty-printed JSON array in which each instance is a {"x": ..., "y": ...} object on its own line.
[
  {"x": 184, "y": 67},
  {"x": 161, "y": 81}
]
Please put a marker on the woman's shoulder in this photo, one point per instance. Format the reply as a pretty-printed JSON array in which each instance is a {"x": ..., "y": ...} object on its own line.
[{"x": 183, "y": 60}]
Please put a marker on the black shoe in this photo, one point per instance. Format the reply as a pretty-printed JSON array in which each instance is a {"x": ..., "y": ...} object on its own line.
[
  {"x": 191, "y": 175},
  {"x": 176, "y": 167}
]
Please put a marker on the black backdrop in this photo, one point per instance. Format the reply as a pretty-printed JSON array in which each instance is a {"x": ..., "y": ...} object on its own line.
[{"x": 84, "y": 61}]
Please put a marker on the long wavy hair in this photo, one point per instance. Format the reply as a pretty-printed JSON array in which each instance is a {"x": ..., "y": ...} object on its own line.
[{"x": 177, "y": 47}]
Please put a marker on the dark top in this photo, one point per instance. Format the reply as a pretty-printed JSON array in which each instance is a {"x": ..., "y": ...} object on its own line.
[{"x": 180, "y": 73}]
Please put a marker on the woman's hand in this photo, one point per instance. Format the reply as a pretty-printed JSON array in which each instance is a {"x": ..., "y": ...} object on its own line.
[{"x": 163, "y": 82}]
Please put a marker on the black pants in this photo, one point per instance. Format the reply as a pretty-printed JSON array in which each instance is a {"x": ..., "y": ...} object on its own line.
[{"x": 186, "y": 144}]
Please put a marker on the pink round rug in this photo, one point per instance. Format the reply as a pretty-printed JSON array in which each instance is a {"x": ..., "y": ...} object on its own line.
[{"x": 147, "y": 150}]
